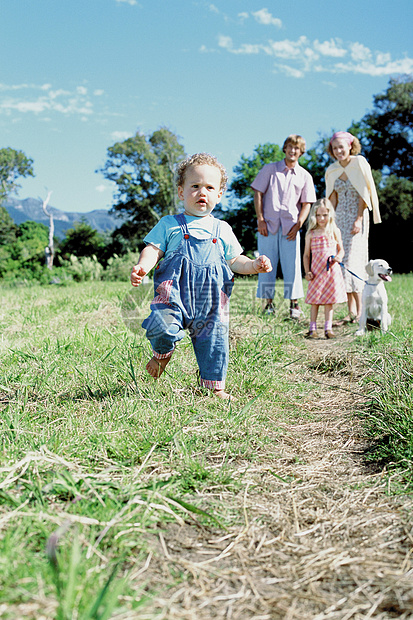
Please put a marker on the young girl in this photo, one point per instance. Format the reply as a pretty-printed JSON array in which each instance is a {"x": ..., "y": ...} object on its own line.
[
  {"x": 325, "y": 280},
  {"x": 194, "y": 281}
]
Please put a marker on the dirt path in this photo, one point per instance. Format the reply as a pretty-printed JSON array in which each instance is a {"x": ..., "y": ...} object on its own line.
[{"x": 321, "y": 539}]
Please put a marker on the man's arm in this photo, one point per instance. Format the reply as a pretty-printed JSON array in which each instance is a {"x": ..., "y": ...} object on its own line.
[
  {"x": 259, "y": 210},
  {"x": 305, "y": 209}
]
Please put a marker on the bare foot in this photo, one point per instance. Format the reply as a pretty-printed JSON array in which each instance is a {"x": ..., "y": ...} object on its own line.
[
  {"x": 155, "y": 366},
  {"x": 350, "y": 318},
  {"x": 224, "y": 395}
]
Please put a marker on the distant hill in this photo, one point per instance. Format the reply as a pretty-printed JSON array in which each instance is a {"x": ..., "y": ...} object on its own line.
[{"x": 31, "y": 209}]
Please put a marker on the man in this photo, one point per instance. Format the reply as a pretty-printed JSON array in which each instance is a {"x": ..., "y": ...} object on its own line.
[{"x": 283, "y": 193}]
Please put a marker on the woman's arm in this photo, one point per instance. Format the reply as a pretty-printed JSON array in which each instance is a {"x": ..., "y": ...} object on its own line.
[
  {"x": 340, "y": 248},
  {"x": 358, "y": 222},
  {"x": 333, "y": 198}
]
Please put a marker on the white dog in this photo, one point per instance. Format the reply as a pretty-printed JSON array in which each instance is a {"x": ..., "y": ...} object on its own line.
[{"x": 374, "y": 313}]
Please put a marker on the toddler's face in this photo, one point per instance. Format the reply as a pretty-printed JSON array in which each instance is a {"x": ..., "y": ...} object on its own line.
[{"x": 201, "y": 189}]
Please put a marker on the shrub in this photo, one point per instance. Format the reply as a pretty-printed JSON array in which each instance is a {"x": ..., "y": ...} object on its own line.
[{"x": 120, "y": 267}]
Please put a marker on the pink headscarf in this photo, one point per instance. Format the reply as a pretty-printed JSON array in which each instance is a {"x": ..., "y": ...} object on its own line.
[{"x": 343, "y": 135}]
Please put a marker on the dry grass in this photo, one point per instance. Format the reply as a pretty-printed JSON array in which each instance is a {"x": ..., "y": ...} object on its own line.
[
  {"x": 314, "y": 533},
  {"x": 320, "y": 539}
]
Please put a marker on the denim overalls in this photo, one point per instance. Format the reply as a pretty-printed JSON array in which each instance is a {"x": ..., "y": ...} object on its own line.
[{"x": 192, "y": 290}]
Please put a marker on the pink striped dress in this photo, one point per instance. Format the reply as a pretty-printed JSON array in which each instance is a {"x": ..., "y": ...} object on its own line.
[{"x": 326, "y": 287}]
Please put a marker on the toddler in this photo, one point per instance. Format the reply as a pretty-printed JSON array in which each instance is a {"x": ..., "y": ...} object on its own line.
[
  {"x": 324, "y": 248},
  {"x": 194, "y": 281}
]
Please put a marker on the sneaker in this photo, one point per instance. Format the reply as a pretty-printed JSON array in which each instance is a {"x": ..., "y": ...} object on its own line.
[
  {"x": 269, "y": 309},
  {"x": 329, "y": 334},
  {"x": 295, "y": 313}
]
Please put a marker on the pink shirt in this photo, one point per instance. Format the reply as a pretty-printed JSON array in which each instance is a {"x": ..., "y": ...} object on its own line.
[{"x": 284, "y": 191}]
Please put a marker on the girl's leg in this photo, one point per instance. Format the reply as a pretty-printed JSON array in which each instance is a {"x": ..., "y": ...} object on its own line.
[
  {"x": 312, "y": 332},
  {"x": 328, "y": 315},
  {"x": 314, "y": 313}
]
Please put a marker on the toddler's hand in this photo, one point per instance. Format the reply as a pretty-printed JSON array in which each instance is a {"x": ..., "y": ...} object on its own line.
[
  {"x": 262, "y": 264},
  {"x": 137, "y": 275}
]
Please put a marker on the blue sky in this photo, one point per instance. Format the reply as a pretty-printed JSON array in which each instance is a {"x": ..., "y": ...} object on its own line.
[{"x": 78, "y": 75}]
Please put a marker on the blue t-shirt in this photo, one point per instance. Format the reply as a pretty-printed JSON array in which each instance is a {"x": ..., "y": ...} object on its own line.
[{"x": 167, "y": 234}]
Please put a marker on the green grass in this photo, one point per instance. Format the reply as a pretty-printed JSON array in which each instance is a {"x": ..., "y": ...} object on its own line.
[
  {"x": 96, "y": 457},
  {"x": 389, "y": 420}
]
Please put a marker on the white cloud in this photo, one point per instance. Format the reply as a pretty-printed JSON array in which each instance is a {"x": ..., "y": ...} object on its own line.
[
  {"x": 288, "y": 49},
  {"x": 61, "y": 101},
  {"x": 102, "y": 188},
  {"x": 225, "y": 42},
  {"x": 303, "y": 56},
  {"x": 359, "y": 52},
  {"x": 119, "y": 136},
  {"x": 405, "y": 65},
  {"x": 330, "y": 48},
  {"x": 263, "y": 16},
  {"x": 131, "y": 2},
  {"x": 296, "y": 73},
  {"x": 248, "y": 48}
]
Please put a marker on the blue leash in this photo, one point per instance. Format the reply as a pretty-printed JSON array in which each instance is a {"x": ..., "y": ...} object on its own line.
[{"x": 344, "y": 267}]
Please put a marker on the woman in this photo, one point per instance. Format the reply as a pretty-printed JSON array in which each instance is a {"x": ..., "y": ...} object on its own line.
[{"x": 350, "y": 187}]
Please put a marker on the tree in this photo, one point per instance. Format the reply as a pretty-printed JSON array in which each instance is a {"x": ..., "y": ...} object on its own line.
[
  {"x": 82, "y": 240},
  {"x": 7, "y": 227},
  {"x": 13, "y": 164},
  {"x": 49, "y": 249},
  {"x": 25, "y": 253},
  {"x": 386, "y": 133},
  {"x": 316, "y": 161},
  {"x": 393, "y": 239},
  {"x": 241, "y": 213},
  {"x": 143, "y": 169},
  {"x": 249, "y": 167}
]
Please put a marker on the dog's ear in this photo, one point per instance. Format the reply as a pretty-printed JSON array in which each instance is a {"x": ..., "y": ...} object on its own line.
[{"x": 369, "y": 268}]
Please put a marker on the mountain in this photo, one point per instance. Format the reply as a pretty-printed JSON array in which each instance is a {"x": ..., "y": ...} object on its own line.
[{"x": 31, "y": 209}]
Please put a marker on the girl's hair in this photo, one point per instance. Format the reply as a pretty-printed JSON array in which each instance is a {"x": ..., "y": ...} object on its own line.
[
  {"x": 295, "y": 140},
  {"x": 355, "y": 148},
  {"x": 331, "y": 227},
  {"x": 200, "y": 159}
]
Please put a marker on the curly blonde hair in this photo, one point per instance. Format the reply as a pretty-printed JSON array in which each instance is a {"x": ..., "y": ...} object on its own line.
[
  {"x": 200, "y": 159},
  {"x": 355, "y": 147}
]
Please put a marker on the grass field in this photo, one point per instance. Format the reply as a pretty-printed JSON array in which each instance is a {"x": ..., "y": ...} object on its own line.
[{"x": 97, "y": 458}]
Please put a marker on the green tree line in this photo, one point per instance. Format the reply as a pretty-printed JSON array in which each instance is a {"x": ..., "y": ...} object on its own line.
[{"x": 142, "y": 168}]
